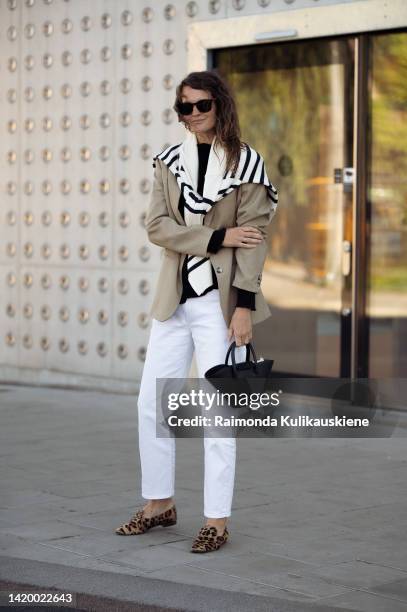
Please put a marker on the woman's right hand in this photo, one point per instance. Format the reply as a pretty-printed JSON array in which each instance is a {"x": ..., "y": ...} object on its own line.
[{"x": 243, "y": 236}]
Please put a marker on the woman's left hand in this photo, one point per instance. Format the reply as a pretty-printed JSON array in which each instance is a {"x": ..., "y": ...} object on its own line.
[{"x": 240, "y": 326}]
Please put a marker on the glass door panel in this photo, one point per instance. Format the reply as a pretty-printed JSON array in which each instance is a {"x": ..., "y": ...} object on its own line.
[{"x": 386, "y": 300}]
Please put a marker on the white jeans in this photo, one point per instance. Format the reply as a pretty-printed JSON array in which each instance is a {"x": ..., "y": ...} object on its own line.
[{"x": 197, "y": 324}]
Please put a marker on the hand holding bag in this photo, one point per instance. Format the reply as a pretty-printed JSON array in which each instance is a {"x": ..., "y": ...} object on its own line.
[{"x": 246, "y": 376}]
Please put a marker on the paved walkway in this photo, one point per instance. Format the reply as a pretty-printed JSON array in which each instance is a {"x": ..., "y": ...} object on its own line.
[{"x": 317, "y": 524}]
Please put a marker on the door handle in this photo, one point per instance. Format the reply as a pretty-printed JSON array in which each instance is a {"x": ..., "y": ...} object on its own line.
[{"x": 346, "y": 257}]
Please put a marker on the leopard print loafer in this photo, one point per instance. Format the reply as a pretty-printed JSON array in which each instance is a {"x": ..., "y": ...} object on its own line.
[
  {"x": 208, "y": 539},
  {"x": 140, "y": 524}
]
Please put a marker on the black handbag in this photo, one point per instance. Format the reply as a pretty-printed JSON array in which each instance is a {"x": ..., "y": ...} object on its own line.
[{"x": 246, "y": 376}]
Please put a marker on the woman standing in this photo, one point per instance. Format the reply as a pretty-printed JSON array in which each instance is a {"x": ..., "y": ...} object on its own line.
[{"x": 211, "y": 204}]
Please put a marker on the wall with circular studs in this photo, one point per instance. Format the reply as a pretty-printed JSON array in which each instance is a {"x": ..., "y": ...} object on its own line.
[{"x": 86, "y": 96}]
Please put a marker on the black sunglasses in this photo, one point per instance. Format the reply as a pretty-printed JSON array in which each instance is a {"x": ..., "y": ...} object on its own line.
[{"x": 186, "y": 108}]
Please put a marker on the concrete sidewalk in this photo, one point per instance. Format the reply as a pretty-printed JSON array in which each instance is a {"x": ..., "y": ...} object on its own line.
[{"x": 317, "y": 524}]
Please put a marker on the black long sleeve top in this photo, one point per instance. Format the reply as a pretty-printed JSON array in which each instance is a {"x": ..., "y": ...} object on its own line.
[{"x": 245, "y": 298}]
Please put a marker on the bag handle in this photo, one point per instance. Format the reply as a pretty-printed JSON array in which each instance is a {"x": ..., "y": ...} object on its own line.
[{"x": 231, "y": 351}]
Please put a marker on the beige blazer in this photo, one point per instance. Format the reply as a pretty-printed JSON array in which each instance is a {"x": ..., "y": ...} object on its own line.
[{"x": 234, "y": 267}]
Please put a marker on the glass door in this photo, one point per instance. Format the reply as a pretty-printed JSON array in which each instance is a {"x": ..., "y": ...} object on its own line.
[
  {"x": 385, "y": 341},
  {"x": 295, "y": 104}
]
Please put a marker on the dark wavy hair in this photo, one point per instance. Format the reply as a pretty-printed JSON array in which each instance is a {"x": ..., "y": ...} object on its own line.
[{"x": 227, "y": 126}]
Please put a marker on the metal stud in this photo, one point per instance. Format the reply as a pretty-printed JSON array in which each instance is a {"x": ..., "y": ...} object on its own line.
[
  {"x": 47, "y": 155},
  {"x": 66, "y": 123},
  {"x": 104, "y": 153},
  {"x": 106, "y": 21},
  {"x": 125, "y": 119},
  {"x": 103, "y": 285},
  {"x": 147, "y": 49},
  {"x": 29, "y": 94},
  {"x": 86, "y": 23},
  {"x": 126, "y": 18},
  {"x": 47, "y": 60},
  {"x": 102, "y": 349},
  {"x": 11, "y": 249},
  {"x": 29, "y": 30},
  {"x": 143, "y": 320},
  {"x": 46, "y": 251},
  {"x": 12, "y": 64},
  {"x": 47, "y": 92},
  {"x": 103, "y": 219},
  {"x": 29, "y": 62},
  {"x": 10, "y": 339},
  {"x": 28, "y": 218},
  {"x": 84, "y": 219},
  {"x": 63, "y": 345},
  {"x": 66, "y": 26},
  {"x": 123, "y": 286},
  {"x": 105, "y": 88},
  {"x": 66, "y": 154},
  {"x": 104, "y": 120},
  {"x": 83, "y": 347},
  {"x": 103, "y": 252},
  {"x": 85, "y": 122},
  {"x": 27, "y": 341},
  {"x": 122, "y": 318},
  {"x": 66, "y": 58},
  {"x": 46, "y": 218},
  {"x": 124, "y": 152},
  {"x": 11, "y": 96},
  {"x": 84, "y": 251},
  {"x": 29, "y": 156},
  {"x": 170, "y": 12},
  {"x": 191, "y": 9},
  {"x": 28, "y": 311},
  {"x": 144, "y": 286},
  {"x": 105, "y": 54},
  {"x": 64, "y": 282},
  {"x": 85, "y": 56},
  {"x": 122, "y": 351},
  {"x": 85, "y": 89},
  {"x": 83, "y": 284},
  {"x": 168, "y": 46},
  {"x": 125, "y": 85},
  {"x": 64, "y": 314},
  {"x": 64, "y": 251},
  {"x": 65, "y": 218},
  {"x": 12, "y": 33},
  {"x": 144, "y": 253},
  {"x": 46, "y": 281},
  {"x": 123, "y": 253},
  {"x": 147, "y": 14},
  {"x": 83, "y": 315},
  {"x": 28, "y": 249},
  {"x": 48, "y": 28},
  {"x": 103, "y": 317},
  {"x": 47, "y": 124},
  {"x": 126, "y": 52}
]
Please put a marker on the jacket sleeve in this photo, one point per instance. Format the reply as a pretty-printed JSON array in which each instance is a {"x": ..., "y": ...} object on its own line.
[
  {"x": 166, "y": 232},
  {"x": 257, "y": 210}
]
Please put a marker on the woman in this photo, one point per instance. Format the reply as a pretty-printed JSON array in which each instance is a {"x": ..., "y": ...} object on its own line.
[{"x": 210, "y": 208}]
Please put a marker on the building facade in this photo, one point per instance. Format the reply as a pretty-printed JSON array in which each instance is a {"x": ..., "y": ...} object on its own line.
[{"x": 87, "y": 89}]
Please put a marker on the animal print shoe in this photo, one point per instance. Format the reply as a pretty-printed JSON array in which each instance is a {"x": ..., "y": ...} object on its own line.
[
  {"x": 208, "y": 539},
  {"x": 140, "y": 524}
]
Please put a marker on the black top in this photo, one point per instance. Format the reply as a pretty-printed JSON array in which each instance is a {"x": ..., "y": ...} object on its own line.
[{"x": 244, "y": 298}]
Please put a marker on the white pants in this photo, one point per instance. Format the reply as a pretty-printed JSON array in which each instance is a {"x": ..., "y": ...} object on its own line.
[{"x": 197, "y": 324}]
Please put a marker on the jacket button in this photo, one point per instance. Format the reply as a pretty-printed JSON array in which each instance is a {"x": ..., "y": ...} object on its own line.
[{"x": 219, "y": 269}]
